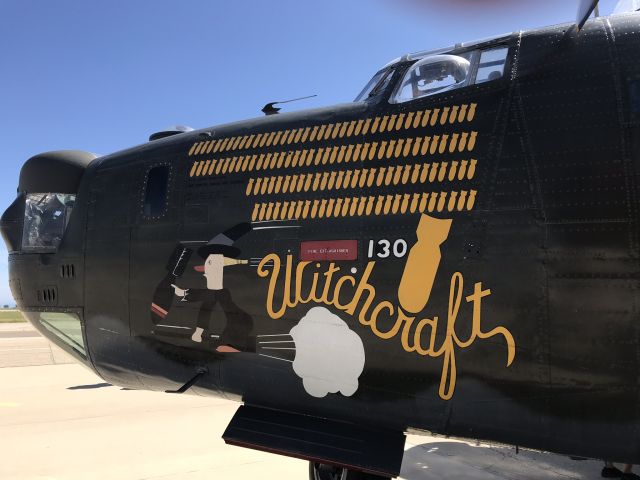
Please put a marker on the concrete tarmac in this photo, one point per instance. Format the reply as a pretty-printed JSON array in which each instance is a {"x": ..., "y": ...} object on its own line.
[{"x": 59, "y": 421}]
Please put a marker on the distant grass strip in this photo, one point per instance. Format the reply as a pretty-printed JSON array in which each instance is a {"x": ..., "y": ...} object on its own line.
[{"x": 11, "y": 316}]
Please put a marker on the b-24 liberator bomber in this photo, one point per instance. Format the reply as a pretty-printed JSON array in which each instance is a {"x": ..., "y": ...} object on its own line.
[{"x": 457, "y": 251}]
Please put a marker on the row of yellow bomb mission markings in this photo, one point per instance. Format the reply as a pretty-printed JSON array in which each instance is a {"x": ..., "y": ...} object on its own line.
[
  {"x": 366, "y": 177},
  {"x": 438, "y": 144},
  {"x": 364, "y": 206},
  {"x": 381, "y": 124}
]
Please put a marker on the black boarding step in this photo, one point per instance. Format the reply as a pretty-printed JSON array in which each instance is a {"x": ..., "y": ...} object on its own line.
[{"x": 317, "y": 439}]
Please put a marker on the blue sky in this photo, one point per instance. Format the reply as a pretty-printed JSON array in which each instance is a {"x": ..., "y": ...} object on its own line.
[{"x": 102, "y": 76}]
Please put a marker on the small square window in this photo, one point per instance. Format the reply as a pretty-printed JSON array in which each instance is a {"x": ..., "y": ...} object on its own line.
[{"x": 491, "y": 66}]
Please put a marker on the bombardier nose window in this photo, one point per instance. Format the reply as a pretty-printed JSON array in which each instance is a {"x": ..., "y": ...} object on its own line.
[
  {"x": 45, "y": 219},
  {"x": 434, "y": 74}
]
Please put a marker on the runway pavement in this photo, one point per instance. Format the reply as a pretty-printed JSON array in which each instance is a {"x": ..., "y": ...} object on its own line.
[{"x": 59, "y": 421}]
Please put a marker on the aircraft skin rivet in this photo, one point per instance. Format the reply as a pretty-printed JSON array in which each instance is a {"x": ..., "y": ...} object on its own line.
[{"x": 445, "y": 115}]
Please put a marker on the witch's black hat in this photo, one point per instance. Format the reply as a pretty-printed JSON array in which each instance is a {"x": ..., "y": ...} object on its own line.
[{"x": 223, "y": 242}]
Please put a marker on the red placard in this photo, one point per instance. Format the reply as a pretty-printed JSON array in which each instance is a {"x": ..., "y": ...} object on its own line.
[{"x": 329, "y": 250}]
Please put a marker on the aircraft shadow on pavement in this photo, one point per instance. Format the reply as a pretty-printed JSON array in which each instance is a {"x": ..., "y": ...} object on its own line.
[
  {"x": 89, "y": 387},
  {"x": 454, "y": 460}
]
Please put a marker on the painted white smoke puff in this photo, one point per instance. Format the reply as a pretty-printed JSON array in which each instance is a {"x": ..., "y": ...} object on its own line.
[{"x": 329, "y": 355}]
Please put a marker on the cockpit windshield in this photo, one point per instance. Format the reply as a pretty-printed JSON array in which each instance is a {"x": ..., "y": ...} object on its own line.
[
  {"x": 376, "y": 85},
  {"x": 45, "y": 219}
]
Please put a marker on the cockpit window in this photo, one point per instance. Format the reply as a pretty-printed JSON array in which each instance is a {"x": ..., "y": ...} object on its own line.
[
  {"x": 376, "y": 85},
  {"x": 433, "y": 74},
  {"x": 46, "y": 216},
  {"x": 491, "y": 65}
]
